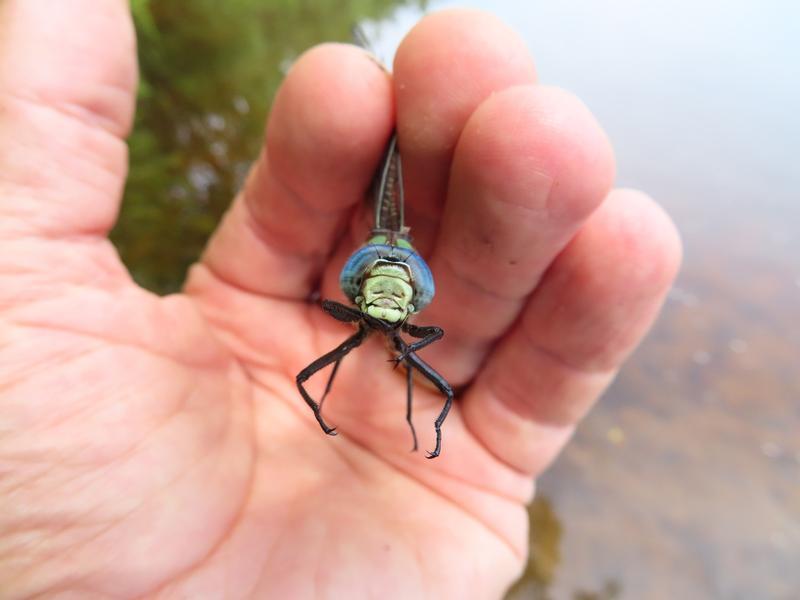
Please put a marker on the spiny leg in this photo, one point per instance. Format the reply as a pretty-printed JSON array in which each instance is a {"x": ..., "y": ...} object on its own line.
[
  {"x": 330, "y": 383},
  {"x": 427, "y": 335},
  {"x": 345, "y": 314},
  {"x": 335, "y": 355},
  {"x": 412, "y": 360},
  {"x": 441, "y": 383},
  {"x": 409, "y": 394},
  {"x": 341, "y": 312}
]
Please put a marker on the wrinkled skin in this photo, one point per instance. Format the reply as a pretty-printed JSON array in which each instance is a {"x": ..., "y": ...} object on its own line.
[{"x": 158, "y": 447}]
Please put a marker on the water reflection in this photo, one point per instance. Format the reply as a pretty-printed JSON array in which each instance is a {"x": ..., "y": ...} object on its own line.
[
  {"x": 545, "y": 552},
  {"x": 545, "y": 557}
]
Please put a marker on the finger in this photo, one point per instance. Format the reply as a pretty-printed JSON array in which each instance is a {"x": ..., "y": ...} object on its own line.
[
  {"x": 591, "y": 309},
  {"x": 67, "y": 81},
  {"x": 531, "y": 165},
  {"x": 329, "y": 124},
  {"x": 447, "y": 65}
]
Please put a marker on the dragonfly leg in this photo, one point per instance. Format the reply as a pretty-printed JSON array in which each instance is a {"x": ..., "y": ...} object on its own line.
[
  {"x": 428, "y": 335},
  {"x": 341, "y": 312},
  {"x": 330, "y": 383},
  {"x": 409, "y": 394},
  {"x": 412, "y": 360},
  {"x": 335, "y": 355}
]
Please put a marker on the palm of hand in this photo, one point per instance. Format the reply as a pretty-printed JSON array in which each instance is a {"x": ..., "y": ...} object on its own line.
[
  {"x": 159, "y": 445},
  {"x": 178, "y": 445}
]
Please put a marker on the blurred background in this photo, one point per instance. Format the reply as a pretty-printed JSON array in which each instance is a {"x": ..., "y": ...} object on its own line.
[{"x": 685, "y": 481}]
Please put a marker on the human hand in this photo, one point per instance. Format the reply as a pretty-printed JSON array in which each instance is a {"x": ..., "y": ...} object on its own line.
[{"x": 158, "y": 446}]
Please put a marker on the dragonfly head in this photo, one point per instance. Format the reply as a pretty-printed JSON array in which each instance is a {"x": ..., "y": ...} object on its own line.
[
  {"x": 386, "y": 291},
  {"x": 379, "y": 271}
]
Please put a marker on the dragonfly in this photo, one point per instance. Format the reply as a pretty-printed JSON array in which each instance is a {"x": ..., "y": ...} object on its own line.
[{"x": 387, "y": 282}]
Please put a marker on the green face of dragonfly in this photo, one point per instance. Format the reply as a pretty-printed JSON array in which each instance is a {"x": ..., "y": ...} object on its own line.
[{"x": 386, "y": 292}]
